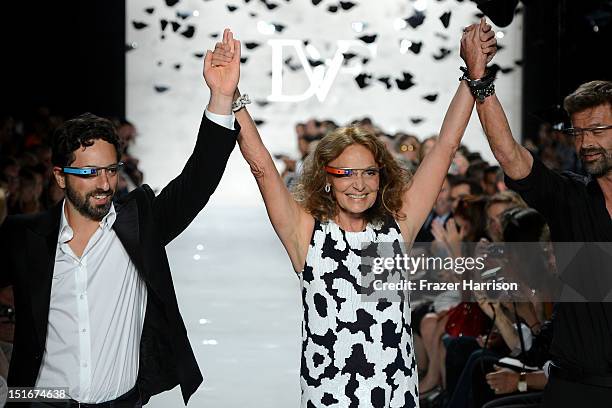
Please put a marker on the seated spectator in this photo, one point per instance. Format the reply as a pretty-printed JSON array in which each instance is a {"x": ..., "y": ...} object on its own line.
[
  {"x": 407, "y": 147},
  {"x": 462, "y": 187}
]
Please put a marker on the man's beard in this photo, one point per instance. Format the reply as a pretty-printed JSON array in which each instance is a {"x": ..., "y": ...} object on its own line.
[
  {"x": 599, "y": 167},
  {"x": 82, "y": 205}
]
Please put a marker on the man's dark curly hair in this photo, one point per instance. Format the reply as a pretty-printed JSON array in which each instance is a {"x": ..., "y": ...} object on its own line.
[{"x": 79, "y": 132}]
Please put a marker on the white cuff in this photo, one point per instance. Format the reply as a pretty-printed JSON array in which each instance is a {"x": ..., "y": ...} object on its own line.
[{"x": 227, "y": 121}]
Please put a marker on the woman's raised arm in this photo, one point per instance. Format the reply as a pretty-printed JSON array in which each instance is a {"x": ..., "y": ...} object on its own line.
[
  {"x": 421, "y": 195},
  {"x": 292, "y": 223}
]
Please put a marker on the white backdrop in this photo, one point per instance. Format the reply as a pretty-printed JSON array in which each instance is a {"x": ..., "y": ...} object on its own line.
[{"x": 166, "y": 94}]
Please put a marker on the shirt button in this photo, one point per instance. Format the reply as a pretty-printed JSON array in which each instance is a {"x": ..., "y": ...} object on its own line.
[{"x": 83, "y": 330}]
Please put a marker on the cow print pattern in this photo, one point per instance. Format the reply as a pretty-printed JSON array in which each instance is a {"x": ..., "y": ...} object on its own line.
[{"x": 354, "y": 353}]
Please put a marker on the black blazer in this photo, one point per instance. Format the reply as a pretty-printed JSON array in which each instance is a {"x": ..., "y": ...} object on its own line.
[{"x": 144, "y": 224}]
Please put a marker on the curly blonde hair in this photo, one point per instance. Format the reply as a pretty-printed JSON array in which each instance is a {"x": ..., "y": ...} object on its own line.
[{"x": 310, "y": 190}]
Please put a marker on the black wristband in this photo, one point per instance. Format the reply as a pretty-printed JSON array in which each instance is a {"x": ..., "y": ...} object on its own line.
[{"x": 480, "y": 88}]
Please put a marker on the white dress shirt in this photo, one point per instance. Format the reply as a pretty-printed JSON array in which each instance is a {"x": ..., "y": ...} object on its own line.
[{"x": 96, "y": 315}]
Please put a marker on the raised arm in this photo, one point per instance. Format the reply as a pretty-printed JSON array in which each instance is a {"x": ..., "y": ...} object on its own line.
[
  {"x": 185, "y": 196},
  {"x": 514, "y": 159},
  {"x": 292, "y": 223},
  {"x": 427, "y": 181}
]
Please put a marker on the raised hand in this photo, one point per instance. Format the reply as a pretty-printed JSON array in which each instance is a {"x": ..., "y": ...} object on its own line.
[
  {"x": 488, "y": 40},
  {"x": 478, "y": 46},
  {"x": 222, "y": 72}
]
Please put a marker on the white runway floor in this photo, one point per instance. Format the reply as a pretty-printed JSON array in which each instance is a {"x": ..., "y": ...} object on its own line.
[{"x": 240, "y": 301}]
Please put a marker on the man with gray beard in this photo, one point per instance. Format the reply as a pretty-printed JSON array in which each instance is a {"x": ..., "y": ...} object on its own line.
[{"x": 578, "y": 210}]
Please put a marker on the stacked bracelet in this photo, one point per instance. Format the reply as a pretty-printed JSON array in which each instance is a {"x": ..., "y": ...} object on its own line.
[
  {"x": 480, "y": 88},
  {"x": 241, "y": 102}
]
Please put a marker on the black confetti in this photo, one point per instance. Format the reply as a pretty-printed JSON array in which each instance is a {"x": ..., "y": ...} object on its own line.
[
  {"x": 232, "y": 8},
  {"x": 519, "y": 63},
  {"x": 347, "y": 5},
  {"x": 259, "y": 122},
  {"x": 500, "y": 47},
  {"x": 368, "y": 39},
  {"x": 306, "y": 42},
  {"x": 198, "y": 54},
  {"x": 291, "y": 66},
  {"x": 278, "y": 27},
  {"x": 270, "y": 6},
  {"x": 130, "y": 47},
  {"x": 163, "y": 22},
  {"x": 506, "y": 70},
  {"x": 332, "y": 9},
  {"x": 416, "y": 121},
  {"x": 252, "y": 14},
  {"x": 479, "y": 15},
  {"x": 365, "y": 60},
  {"x": 251, "y": 45},
  {"x": 171, "y": 3},
  {"x": 244, "y": 59},
  {"x": 386, "y": 81},
  {"x": 442, "y": 36},
  {"x": 416, "y": 47},
  {"x": 405, "y": 82},
  {"x": 315, "y": 63},
  {"x": 183, "y": 15},
  {"x": 159, "y": 63},
  {"x": 189, "y": 32},
  {"x": 177, "y": 66},
  {"x": 363, "y": 80},
  {"x": 161, "y": 88},
  {"x": 445, "y": 19},
  {"x": 214, "y": 35},
  {"x": 175, "y": 26},
  {"x": 349, "y": 55},
  {"x": 431, "y": 97},
  {"x": 138, "y": 25},
  {"x": 247, "y": 1},
  {"x": 443, "y": 53},
  {"x": 163, "y": 36},
  {"x": 149, "y": 10},
  {"x": 416, "y": 19},
  {"x": 316, "y": 2},
  {"x": 262, "y": 102}
]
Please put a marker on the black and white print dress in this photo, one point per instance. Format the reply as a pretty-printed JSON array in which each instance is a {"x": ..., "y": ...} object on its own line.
[{"x": 355, "y": 353}]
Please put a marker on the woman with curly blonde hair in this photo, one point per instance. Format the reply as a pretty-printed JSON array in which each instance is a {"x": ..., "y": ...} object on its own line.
[{"x": 355, "y": 353}]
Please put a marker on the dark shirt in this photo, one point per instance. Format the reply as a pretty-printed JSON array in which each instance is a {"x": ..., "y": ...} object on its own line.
[{"x": 575, "y": 210}]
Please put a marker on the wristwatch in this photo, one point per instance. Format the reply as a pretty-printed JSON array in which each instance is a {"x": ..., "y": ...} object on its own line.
[{"x": 522, "y": 384}]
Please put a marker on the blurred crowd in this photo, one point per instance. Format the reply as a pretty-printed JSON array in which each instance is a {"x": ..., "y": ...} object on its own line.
[
  {"x": 27, "y": 185},
  {"x": 472, "y": 351}
]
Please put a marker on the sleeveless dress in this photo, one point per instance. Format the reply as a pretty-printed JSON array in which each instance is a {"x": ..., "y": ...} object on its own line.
[{"x": 355, "y": 353}]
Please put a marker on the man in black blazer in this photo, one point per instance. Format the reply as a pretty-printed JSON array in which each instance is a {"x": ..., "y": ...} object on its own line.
[{"x": 96, "y": 310}]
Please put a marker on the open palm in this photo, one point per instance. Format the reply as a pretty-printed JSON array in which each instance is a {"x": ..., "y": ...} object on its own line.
[{"x": 223, "y": 79}]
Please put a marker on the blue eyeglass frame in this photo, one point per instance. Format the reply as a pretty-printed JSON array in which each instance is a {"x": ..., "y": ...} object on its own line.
[{"x": 89, "y": 171}]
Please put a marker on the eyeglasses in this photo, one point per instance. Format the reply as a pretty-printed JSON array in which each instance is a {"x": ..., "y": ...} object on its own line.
[
  {"x": 345, "y": 172},
  {"x": 407, "y": 148},
  {"x": 88, "y": 172},
  {"x": 579, "y": 132}
]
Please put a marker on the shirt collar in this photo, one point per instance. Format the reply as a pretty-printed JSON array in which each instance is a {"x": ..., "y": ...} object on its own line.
[{"x": 66, "y": 232}]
